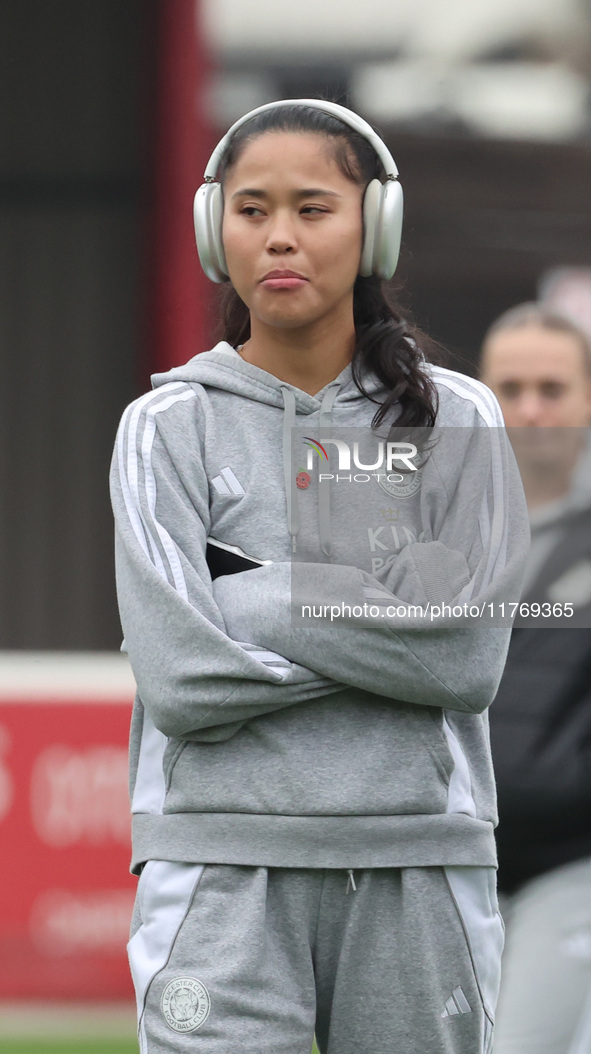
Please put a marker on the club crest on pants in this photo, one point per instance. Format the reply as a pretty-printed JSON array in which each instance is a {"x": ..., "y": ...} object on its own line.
[{"x": 185, "y": 1004}]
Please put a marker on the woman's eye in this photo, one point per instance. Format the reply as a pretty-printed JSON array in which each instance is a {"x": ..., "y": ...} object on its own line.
[
  {"x": 251, "y": 210},
  {"x": 312, "y": 209}
]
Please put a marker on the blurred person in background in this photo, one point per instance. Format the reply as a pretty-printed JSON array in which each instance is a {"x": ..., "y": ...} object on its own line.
[{"x": 539, "y": 366}]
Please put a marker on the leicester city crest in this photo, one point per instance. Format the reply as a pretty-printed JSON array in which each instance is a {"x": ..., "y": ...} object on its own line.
[
  {"x": 185, "y": 1004},
  {"x": 401, "y": 484}
]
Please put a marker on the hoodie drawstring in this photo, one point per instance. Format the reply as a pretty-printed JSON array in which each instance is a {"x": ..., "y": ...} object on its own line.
[
  {"x": 324, "y": 488},
  {"x": 291, "y": 488}
]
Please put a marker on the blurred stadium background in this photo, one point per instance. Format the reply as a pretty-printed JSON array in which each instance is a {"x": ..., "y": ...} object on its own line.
[{"x": 109, "y": 110}]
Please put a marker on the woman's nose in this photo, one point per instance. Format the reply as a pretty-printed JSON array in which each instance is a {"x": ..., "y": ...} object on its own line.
[
  {"x": 530, "y": 410},
  {"x": 281, "y": 236}
]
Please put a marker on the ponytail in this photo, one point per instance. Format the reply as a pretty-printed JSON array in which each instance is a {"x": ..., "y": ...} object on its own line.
[{"x": 394, "y": 352}]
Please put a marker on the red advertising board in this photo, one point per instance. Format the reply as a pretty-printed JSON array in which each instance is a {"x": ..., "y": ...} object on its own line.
[{"x": 64, "y": 824}]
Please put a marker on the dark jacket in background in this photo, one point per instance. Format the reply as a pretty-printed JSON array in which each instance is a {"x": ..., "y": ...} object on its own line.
[{"x": 541, "y": 717}]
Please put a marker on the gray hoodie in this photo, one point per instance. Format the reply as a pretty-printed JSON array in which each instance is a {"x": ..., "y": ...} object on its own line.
[{"x": 326, "y": 709}]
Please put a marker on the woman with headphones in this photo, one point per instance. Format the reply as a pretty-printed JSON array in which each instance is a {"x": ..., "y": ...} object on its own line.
[{"x": 319, "y": 535}]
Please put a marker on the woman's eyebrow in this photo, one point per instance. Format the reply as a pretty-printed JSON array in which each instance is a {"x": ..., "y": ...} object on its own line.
[
  {"x": 308, "y": 192},
  {"x": 314, "y": 192},
  {"x": 250, "y": 192}
]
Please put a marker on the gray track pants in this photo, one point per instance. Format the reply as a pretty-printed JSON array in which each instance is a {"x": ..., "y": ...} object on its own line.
[{"x": 256, "y": 960}]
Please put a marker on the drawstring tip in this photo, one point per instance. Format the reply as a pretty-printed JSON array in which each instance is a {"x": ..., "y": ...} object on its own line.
[
  {"x": 293, "y": 544},
  {"x": 350, "y": 882}
]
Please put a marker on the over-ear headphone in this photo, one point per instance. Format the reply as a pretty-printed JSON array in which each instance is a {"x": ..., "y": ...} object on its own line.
[{"x": 382, "y": 202}]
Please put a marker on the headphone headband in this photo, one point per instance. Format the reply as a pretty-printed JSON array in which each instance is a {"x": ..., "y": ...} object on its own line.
[
  {"x": 382, "y": 202},
  {"x": 332, "y": 108}
]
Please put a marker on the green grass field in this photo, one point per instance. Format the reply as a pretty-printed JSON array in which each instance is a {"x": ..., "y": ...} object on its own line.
[{"x": 68, "y": 1046}]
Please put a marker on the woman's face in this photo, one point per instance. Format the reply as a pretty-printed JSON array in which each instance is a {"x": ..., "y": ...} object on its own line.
[{"x": 292, "y": 231}]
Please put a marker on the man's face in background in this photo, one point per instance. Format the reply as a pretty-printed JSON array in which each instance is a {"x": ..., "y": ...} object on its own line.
[
  {"x": 539, "y": 377},
  {"x": 542, "y": 381}
]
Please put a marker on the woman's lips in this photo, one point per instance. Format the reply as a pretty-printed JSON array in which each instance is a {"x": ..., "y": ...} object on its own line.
[{"x": 283, "y": 280}]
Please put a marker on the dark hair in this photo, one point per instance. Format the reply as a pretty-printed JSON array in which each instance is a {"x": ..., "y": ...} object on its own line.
[
  {"x": 386, "y": 344},
  {"x": 541, "y": 316}
]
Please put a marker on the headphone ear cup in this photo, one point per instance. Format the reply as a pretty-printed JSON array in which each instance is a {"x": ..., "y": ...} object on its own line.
[
  {"x": 371, "y": 212},
  {"x": 382, "y": 224},
  {"x": 389, "y": 229},
  {"x": 208, "y": 209}
]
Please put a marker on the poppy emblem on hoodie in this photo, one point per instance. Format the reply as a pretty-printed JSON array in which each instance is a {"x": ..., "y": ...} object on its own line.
[{"x": 303, "y": 480}]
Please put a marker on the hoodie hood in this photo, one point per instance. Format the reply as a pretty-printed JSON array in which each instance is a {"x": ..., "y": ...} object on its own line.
[{"x": 224, "y": 368}]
